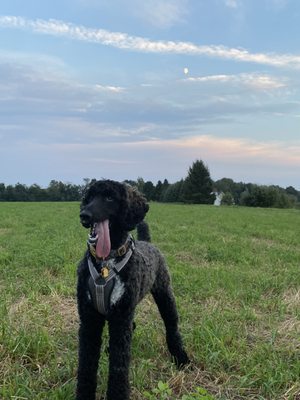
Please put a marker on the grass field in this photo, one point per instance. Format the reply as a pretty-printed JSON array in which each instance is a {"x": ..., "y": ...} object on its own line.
[{"x": 236, "y": 275}]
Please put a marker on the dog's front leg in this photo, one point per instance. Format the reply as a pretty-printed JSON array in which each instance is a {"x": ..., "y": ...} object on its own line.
[
  {"x": 120, "y": 335},
  {"x": 90, "y": 332}
]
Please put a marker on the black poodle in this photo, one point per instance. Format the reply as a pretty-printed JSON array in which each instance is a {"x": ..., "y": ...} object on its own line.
[{"x": 114, "y": 275}]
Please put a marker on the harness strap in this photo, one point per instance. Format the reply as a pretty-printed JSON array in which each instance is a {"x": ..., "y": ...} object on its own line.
[{"x": 101, "y": 287}]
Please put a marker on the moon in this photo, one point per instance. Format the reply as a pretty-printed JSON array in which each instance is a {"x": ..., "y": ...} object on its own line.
[{"x": 185, "y": 70}]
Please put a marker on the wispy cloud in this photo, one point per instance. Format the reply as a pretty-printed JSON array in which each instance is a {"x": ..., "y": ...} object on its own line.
[
  {"x": 162, "y": 14},
  {"x": 242, "y": 157},
  {"x": 278, "y": 4},
  {"x": 30, "y": 93},
  {"x": 231, "y": 149},
  {"x": 114, "y": 89},
  {"x": 231, "y": 3},
  {"x": 255, "y": 81},
  {"x": 136, "y": 43},
  {"x": 234, "y": 150}
]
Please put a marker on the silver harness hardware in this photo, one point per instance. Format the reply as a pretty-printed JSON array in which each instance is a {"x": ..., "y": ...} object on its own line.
[{"x": 101, "y": 284}]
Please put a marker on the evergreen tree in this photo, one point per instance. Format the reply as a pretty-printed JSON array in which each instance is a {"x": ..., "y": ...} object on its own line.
[
  {"x": 149, "y": 190},
  {"x": 158, "y": 191},
  {"x": 198, "y": 185}
]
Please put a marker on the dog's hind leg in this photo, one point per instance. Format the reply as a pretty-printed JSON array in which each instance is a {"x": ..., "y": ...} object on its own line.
[{"x": 165, "y": 300}]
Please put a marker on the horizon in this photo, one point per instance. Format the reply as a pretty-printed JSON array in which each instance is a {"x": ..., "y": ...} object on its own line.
[{"x": 155, "y": 182}]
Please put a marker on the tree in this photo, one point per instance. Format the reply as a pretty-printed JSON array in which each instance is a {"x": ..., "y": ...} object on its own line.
[
  {"x": 265, "y": 196},
  {"x": 36, "y": 193},
  {"x": 291, "y": 190},
  {"x": 158, "y": 191},
  {"x": 227, "y": 185},
  {"x": 198, "y": 185},
  {"x": 10, "y": 194},
  {"x": 224, "y": 185},
  {"x": 140, "y": 184},
  {"x": 55, "y": 190},
  {"x": 173, "y": 193},
  {"x": 227, "y": 199},
  {"x": 149, "y": 190},
  {"x": 2, "y": 191},
  {"x": 293, "y": 194}
]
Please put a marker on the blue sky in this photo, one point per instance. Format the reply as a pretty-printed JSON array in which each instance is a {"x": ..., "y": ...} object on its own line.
[{"x": 122, "y": 89}]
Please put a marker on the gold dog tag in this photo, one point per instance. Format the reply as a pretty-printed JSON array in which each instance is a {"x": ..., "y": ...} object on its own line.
[{"x": 104, "y": 272}]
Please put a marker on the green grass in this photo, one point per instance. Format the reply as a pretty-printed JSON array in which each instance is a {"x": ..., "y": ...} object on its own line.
[{"x": 236, "y": 277}]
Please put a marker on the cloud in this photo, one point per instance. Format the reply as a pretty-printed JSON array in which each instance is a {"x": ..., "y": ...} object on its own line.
[
  {"x": 278, "y": 4},
  {"x": 240, "y": 159},
  {"x": 231, "y": 3},
  {"x": 234, "y": 150},
  {"x": 134, "y": 43},
  {"x": 32, "y": 91},
  {"x": 274, "y": 4},
  {"x": 254, "y": 81},
  {"x": 161, "y": 13},
  {"x": 50, "y": 120},
  {"x": 31, "y": 97},
  {"x": 114, "y": 89}
]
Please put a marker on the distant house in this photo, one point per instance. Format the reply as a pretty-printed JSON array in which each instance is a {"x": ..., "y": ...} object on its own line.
[{"x": 219, "y": 196}]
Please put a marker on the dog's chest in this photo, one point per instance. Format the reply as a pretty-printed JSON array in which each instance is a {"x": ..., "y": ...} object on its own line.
[
  {"x": 118, "y": 291},
  {"x": 105, "y": 293}
]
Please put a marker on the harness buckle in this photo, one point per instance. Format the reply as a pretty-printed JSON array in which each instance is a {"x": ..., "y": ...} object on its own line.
[{"x": 122, "y": 250}]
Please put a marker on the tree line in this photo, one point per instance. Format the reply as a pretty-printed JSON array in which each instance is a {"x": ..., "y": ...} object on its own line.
[
  {"x": 56, "y": 191},
  {"x": 196, "y": 188}
]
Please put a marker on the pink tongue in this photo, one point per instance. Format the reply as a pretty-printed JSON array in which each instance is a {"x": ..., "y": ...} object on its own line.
[{"x": 103, "y": 242}]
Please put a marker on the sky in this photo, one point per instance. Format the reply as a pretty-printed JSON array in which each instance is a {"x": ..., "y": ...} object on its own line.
[{"x": 125, "y": 89}]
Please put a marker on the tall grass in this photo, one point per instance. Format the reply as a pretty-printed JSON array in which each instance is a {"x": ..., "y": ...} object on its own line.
[{"x": 236, "y": 278}]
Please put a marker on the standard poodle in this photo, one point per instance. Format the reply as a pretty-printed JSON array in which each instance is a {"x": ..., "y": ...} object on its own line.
[{"x": 114, "y": 275}]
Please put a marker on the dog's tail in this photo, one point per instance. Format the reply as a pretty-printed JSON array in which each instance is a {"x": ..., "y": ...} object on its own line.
[{"x": 143, "y": 232}]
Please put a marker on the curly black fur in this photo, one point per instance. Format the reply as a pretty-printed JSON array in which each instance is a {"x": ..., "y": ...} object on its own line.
[{"x": 145, "y": 272}]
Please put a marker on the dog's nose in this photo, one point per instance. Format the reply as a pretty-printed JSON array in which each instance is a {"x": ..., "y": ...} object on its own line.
[{"x": 86, "y": 218}]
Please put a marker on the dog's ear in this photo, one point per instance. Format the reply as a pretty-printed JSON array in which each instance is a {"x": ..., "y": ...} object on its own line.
[{"x": 137, "y": 208}]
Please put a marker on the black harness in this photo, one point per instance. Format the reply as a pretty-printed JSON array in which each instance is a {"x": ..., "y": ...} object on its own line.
[{"x": 104, "y": 275}]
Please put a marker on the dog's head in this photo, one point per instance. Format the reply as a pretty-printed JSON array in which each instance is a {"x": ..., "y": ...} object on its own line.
[{"x": 110, "y": 205}]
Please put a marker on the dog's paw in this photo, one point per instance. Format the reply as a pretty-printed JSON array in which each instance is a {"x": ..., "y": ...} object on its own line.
[{"x": 182, "y": 360}]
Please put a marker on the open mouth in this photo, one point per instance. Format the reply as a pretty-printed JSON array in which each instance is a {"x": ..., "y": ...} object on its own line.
[
  {"x": 93, "y": 234},
  {"x": 99, "y": 238}
]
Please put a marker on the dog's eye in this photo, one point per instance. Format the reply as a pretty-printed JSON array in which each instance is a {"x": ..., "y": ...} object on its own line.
[{"x": 109, "y": 199}]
